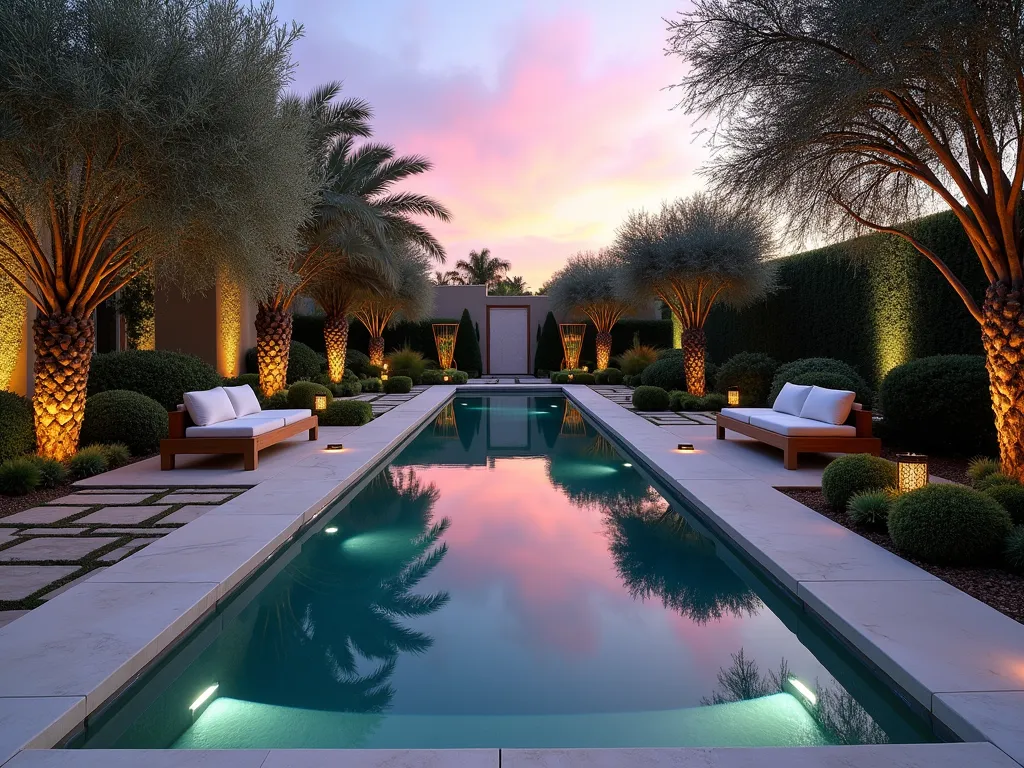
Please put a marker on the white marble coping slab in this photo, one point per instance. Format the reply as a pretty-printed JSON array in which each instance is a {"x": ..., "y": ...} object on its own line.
[
  {"x": 260, "y": 758},
  {"x": 995, "y": 717},
  {"x": 22, "y": 721}
]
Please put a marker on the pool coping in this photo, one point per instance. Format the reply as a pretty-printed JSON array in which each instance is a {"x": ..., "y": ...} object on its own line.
[{"x": 173, "y": 584}]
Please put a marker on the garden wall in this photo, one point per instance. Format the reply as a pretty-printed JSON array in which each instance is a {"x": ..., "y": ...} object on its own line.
[{"x": 874, "y": 302}]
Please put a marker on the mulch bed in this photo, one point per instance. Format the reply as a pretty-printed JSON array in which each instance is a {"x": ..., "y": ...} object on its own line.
[{"x": 1000, "y": 589}]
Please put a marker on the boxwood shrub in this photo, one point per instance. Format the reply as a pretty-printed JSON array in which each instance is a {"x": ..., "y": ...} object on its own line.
[
  {"x": 276, "y": 402},
  {"x": 370, "y": 385},
  {"x": 437, "y": 377},
  {"x": 751, "y": 373},
  {"x": 1014, "y": 549},
  {"x": 646, "y": 398},
  {"x": 302, "y": 394},
  {"x": 17, "y": 427},
  {"x": 981, "y": 467},
  {"x": 994, "y": 479},
  {"x": 1011, "y": 498},
  {"x": 159, "y": 374},
  {"x": 683, "y": 401},
  {"x": 853, "y": 474},
  {"x": 123, "y": 416},
  {"x": 304, "y": 363},
  {"x": 666, "y": 373},
  {"x": 578, "y": 377},
  {"x": 398, "y": 385},
  {"x": 940, "y": 403},
  {"x": 346, "y": 413},
  {"x": 819, "y": 365},
  {"x": 949, "y": 524},
  {"x": 349, "y": 385},
  {"x": 252, "y": 379},
  {"x": 357, "y": 362},
  {"x": 19, "y": 476},
  {"x": 608, "y": 376}
]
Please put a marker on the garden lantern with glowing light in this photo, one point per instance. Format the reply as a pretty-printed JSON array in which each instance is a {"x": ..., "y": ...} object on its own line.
[
  {"x": 734, "y": 396},
  {"x": 320, "y": 402},
  {"x": 912, "y": 471}
]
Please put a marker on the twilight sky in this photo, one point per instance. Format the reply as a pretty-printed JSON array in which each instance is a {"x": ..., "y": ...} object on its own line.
[{"x": 546, "y": 120}]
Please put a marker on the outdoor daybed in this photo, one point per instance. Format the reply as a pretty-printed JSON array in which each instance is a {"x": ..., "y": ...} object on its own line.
[
  {"x": 228, "y": 420},
  {"x": 805, "y": 419}
]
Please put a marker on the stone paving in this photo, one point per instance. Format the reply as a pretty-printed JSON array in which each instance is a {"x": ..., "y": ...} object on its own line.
[
  {"x": 623, "y": 396},
  {"x": 47, "y": 549},
  {"x": 382, "y": 403}
]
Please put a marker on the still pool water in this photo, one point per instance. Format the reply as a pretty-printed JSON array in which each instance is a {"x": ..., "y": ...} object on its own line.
[{"x": 508, "y": 580}]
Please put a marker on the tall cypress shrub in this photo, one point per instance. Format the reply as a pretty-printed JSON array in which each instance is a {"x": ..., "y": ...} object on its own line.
[
  {"x": 548, "y": 356},
  {"x": 467, "y": 347}
]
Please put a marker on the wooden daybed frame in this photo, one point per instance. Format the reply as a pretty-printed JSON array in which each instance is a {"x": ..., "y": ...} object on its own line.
[
  {"x": 793, "y": 446},
  {"x": 249, "y": 447}
]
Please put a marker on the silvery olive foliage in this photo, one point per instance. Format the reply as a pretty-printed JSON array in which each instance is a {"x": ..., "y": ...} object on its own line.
[{"x": 590, "y": 280}]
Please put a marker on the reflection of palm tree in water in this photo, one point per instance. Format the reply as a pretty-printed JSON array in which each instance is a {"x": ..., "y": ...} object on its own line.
[
  {"x": 837, "y": 712},
  {"x": 590, "y": 474},
  {"x": 338, "y": 608},
  {"x": 657, "y": 553}
]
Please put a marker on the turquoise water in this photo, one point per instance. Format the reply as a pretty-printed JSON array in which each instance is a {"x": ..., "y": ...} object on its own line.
[{"x": 508, "y": 580}]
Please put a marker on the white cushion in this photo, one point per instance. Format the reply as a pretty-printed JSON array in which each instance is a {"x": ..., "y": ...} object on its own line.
[
  {"x": 209, "y": 407},
  {"x": 744, "y": 414},
  {"x": 829, "y": 405},
  {"x": 243, "y": 400},
  {"x": 289, "y": 416},
  {"x": 794, "y": 426},
  {"x": 245, "y": 427},
  {"x": 791, "y": 399}
]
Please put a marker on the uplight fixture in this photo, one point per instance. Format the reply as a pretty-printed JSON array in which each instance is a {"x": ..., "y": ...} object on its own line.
[
  {"x": 320, "y": 402},
  {"x": 203, "y": 698},
  {"x": 685, "y": 447},
  {"x": 335, "y": 446},
  {"x": 332, "y": 529},
  {"x": 806, "y": 693},
  {"x": 734, "y": 396},
  {"x": 626, "y": 464},
  {"x": 911, "y": 471}
]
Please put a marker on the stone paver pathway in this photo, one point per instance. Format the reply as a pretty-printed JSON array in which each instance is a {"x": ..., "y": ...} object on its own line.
[
  {"x": 382, "y": 403},
  {"x": 47, "y": 549},
  {"x": 623, "y": 396}
]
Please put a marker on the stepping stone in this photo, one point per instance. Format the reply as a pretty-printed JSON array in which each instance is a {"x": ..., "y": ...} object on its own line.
[
  {"x": 123, "y": 515},
  {"x": 184, "y": 515},
  {"x": 192, "y": 498},
  {"x": 6, "y": 617},
  {"x": 53, "y": 548},
  {"x": 103, "y": 498},
  {"x": 43, "y": 515},
  {"x": 122, "y": 552},
  {"x": 131, "y": 531},
  {"x": 94, "y": 491},
  {"x": 200, "y": 489},
  {"x": 19, "y": 581},
  {"x": 48, "y": 532},
  {"x": 7, "y": 535},
  {"x": 70, "y": 584}
]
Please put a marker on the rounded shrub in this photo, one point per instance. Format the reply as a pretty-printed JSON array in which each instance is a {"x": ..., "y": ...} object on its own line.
[
  {"x": 123, "y": 416},
  {"x": 346, "y": 413},
  {"x": 608, "y": 376},
  {"x": 751, "y": 373},
  {"x": 370, "y": 385},
  {"x": 787, "y": 372},
  {"x": 981, "y": 467},
  {"x": 276, "y": 402},
  {"x": 1013, "y": 549},
  {"x": 647, "y": 398},
  {"x": 994, "y": 479},
  {"x": 940, "y": 403},
  {"x": 252, "y": 379},
  {"x": 51, "y": 472},
  {"x": 713, "y": 401},
  {"x": 949, "y": 524},
  {"x": 1011, "y": 498},
  {"x": 159, "y": 374},
  {"x": 683, "y": 401},
  {"x": 666, "y": 373},
  {"x": 631, "y": 381},
  {"x": 398, "y": 385},
  {"x": 827, "y": 380},
  {"x": 870, "y": 508},
  {"x": 458, "y": 377},
  {"x": 349, "y": 385},
  {"x": 304, "y": 363},
  {"x": 357, "y": 362},
  {"x": 432, "y": 377},
  {"x": 17, "y": 426},
  {"x": 849, "y": 475},
  {"x": 302, "y": 394},
  {"x": 19, "y": 476},
  {"x": 87, "y": 462}
]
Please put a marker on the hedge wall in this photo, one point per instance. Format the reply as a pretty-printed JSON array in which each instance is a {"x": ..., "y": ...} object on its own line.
[
  {"x": 873, "y": 302},
  {"x": 309, "y": 329}
]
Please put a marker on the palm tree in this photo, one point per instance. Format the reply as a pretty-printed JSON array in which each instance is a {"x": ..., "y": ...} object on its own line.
[
  {"x": 482, "y": 269},
  {"x": 328, "y": 122},
  {"x": 510, "y": 286},
  {"x": 451, "y": 277}
]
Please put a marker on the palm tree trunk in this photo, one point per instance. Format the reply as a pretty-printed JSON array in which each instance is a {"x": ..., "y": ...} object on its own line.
[
  {"x": 1003, "y": 337},
  {"x": 64, "y": 346},
  {"x": 694, "y": 353},
  {"x": 336, "y": 341},
  {"x": 604, "y": 349},
  {"x": 376, "y": 350},
  {"x": 273, "y": 341}
]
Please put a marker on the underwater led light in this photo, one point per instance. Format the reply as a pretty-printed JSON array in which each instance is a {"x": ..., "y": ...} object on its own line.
[
  {"x": 626, "y": 464},
  {"x": 554, "y": 406},
  {"x": 804, "y": 691},
  {"x": 332, "y": 529},
  {"x": 203, "y": 697}
]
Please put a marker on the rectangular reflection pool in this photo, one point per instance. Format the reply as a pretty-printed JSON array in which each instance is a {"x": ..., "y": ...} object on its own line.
[{"x": 509, "y": 579}]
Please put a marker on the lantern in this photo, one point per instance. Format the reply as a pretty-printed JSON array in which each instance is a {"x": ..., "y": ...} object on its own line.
[
  {"x": 320, "y": 402},
  {"x": 912, "y": 471},
  {"x": 570, "y": 377},
  {"x": 446, "y": 378},
  {"x": 734, "y": 396}
]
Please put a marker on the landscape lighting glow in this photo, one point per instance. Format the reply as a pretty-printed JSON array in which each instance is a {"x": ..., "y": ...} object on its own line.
[
  {"x": 203, "y": 697},
  {"x": 804, "y": 691},
  {"x": 332, "y": 529},
  {"x": 685, "y": 447},
  {"x": 627, "y": 464}
]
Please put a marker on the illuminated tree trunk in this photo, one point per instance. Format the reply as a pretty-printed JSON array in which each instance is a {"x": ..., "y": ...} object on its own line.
[
  {"x": 273, "y": 340},
  {"x": 336, "y": 341},
  {"x": 694, "y": 345},
  {"x": 64, "y": 345},
  {"x": 376, "y": 350},
  {"x": 1003, "y": 337},
  {"x": 604, "y": 349}
]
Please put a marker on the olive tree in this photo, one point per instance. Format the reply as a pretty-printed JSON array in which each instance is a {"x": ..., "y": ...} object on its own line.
[
  {"x": 138, "y": 134},
  {"x": 852, "y": 115},
  {"x": 692, "y": 254},
  {"x": 589, "y": 283}
]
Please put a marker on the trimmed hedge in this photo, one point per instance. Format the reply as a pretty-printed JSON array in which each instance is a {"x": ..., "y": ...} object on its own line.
[
  {"x": 666, "y": 373},
  {"x": 578, "y": 377},
  {"x": 346, "y": 413},
  {"x": 647, "y": 398},
  {"x": 370, "y": 385},
  {"x": 398, "y": 385},
  {"x": 126, "y": 417},
  {"x": 949, "y": 524},
  {"x": 304, "y": 363},
  {"x": 349, "y": 385},
  {"x": 358, "y": 362},
  {"x": 789, "y": 372},
  {"x": 17, "y": 426},
  {"x": 252, "y": 379},
  {"x": 940, "y": 404},
  {"x": 853, "y": 474},
  {"x": 548, "y": 355},
  {"x": 159, "y": 374},
  {"x": 751, "y": 373},
  {"x": 467, "y": 347},
  {"x": 1011, "y": 498},
  {"x": 302, "y": 394},
  {"x": 608, "y": 376},
  {"x": 873, "y": 301}
]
